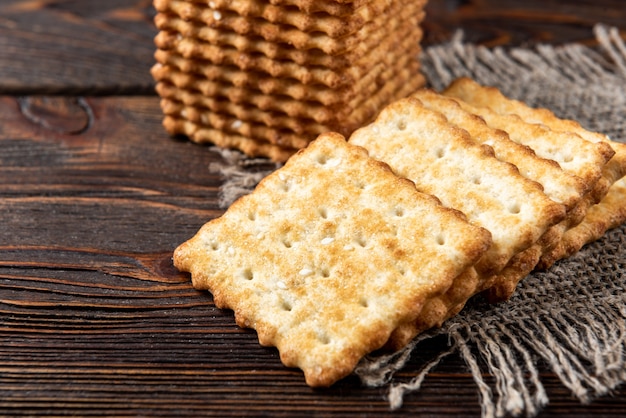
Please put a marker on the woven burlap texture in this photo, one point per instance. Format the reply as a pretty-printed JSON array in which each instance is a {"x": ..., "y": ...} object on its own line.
[{"x": 572, "y": 317}]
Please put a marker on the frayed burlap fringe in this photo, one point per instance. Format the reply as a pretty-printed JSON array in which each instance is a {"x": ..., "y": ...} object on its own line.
[
  {"x": 572, "y": 317},
  {"x": 240, "y": 174}
]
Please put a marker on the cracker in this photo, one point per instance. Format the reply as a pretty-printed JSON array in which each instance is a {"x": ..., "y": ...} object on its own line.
[
  {"x": 241, "y": 86},
  {"x": 403, "y": 84},
  {"x": 327, "y": 277},
  {"x": 292, "y": 36},
  {"x": 559, "y": 185},
  {"x": 502, "y": 285},
  {"x": 218, "y": 97},
  {"x": 203, "y": 134},
  {"x": 272, "y": 22},
  {"x": 437, "y": 309},
  {"x": 332, "y": 7},
  {"x": 332, "y": 25},
  {"x": 443, "y": 160},
  {"x": 192, "y": 49},
  {"x": 283, "y": 137},
  {"x": 237, "y": 85},
  {"x": 608, "y": 214},
  {"x": 439, "y": 131},
  {"x": 573, "y": 153},
  {"x": 472, "y": 92},
  {"x": 406, "y": 28}
]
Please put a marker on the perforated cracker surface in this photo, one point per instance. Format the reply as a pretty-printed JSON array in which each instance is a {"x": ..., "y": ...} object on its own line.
[
  {"x": 574, "y": 154},
  {"x": 559, "y": 185},
  {"x": 442, "y": 160},
  {"x": 329, "y": 255}
]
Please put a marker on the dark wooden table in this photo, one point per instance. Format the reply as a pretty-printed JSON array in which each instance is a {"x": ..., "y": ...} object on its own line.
[{"x": 94, "y": 196}]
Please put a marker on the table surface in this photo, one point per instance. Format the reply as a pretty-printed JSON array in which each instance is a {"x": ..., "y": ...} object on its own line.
[{"x": 94, "y": 196}]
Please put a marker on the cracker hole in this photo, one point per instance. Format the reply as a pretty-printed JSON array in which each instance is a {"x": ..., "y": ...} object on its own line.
[
  {"x": 359, "y": 184},
  {"x": 287, "y": 243},
  {"x": 568, "y": 158},
  {"x": 399, "y": 212},
  {"x": 440, "y": 152},
  {"x": 325, "y": 272},
  {"x": 477, "y": 180},
  {"x": 364, "y": 303},
  {"x": 323, "y": 213},
  {"x": 247, "y": 274},
  {"x": 401, "y": 124},
  {"x": 252, "y": 216},
  {"x": 214, "y": 246},
  {"x": 323, "y": 338},
  {"x": 286, "y": 306},
  {"x": 322, "y": 159},
  {"x": 362, "y": 242},
  {"x": 515, "y": 208},
  {"x": 440, "y": 239}
]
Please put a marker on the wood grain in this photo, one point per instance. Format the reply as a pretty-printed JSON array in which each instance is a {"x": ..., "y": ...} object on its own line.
[
  {"x": 95, "y": 320},
  {"x": 94, "y": 317},
  {"x": 66, "y": 46},
  {"x": 94, "y": 197},
  {"x": 527, "y": 23}
]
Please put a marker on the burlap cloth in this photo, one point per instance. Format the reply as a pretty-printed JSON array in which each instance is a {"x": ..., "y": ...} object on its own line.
[{"x": 572, "y": 317}]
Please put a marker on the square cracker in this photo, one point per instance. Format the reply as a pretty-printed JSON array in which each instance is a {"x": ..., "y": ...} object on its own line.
[
  {"x": 574, "y": 154},
  {"x": 611, "y": 164},
  {"x": 478, "y": 95},
  {"x": 443, "y": 160},
  {"x": 609, "y": 213},
  {"x": 329, "y": 255},
  {"x": 558, "y": 185}
]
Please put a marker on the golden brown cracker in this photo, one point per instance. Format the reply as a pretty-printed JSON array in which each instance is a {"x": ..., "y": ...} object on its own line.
[
  {"x": 242, "y": 86},
  {"x": 437, "y": 309},
  {"x": 332, "y": 7},
  {"x": 389, "y": 52},
  {"x": 240, "y": 117},
  {"x": 401, "y": 29},
  {"x": 443, "y": 160},
  {"x": 283, "y": 136},
  {"x": 327, "y": 277},
  {"x": 559, "y": 185},
  {"x": 609, "y": 213},
  {"x": 485, "y": 96},
  {"x": 574, "y": 154},
  {"x": 203, "y": 134},
  {"x": 334, "y": 26},
  {"x": 285, "y": 33}
]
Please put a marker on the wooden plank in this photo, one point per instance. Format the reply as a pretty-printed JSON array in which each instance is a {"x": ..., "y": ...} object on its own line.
[
  {"x": 62, "y": 46},
  {"x": 94, "y": 318},
  {"x": 527, "y": 23}
]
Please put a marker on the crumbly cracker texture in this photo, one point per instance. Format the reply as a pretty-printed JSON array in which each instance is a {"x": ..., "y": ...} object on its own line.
[{"x": 329, "y": 255}]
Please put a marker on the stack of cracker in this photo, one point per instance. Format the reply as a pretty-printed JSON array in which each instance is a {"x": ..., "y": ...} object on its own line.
[
  {"x": 542, "y": 186},
  {"x": 268, "y": 76},
  {"x": 358, "y": 245}
]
